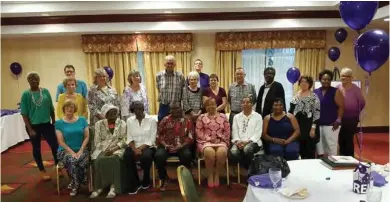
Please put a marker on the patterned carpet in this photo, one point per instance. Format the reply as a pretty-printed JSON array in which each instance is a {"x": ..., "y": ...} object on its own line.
[{"x": 21, "y": 181}]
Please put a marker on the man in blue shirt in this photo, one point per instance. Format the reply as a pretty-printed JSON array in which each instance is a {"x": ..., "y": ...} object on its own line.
[{"x": 81, "y": 88}]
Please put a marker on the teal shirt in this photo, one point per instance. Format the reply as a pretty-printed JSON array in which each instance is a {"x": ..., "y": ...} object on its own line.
[
  {"x": 73, "y": 133},
  {"x": 81, "y": 89},
  {"x": 36, "y": 114}
]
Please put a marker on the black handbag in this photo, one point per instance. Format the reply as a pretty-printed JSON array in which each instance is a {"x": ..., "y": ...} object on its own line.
[{"x": 261, "y": 164}]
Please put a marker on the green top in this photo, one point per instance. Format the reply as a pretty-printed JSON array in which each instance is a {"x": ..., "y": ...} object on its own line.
[{"x": 37, "y": 113}]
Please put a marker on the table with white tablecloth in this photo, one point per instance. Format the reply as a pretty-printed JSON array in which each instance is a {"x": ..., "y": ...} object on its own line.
[
  {"x": 13, "y": 131},
  {"x": 312, "y": 175}
]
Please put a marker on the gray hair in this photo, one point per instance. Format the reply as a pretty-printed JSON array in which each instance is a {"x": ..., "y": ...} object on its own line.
[
  {"x": 170, "y": 57},
  {"x": 193, "y": 74},
  {"x": 100, "y": 72},
  {"x": 249, "y": 96},
  {"x": 32, "y": 74},
  {"x": 346, "y": 71}
]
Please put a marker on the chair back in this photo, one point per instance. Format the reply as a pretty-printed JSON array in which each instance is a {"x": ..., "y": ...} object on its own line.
[{"x": 187, "y": 185}]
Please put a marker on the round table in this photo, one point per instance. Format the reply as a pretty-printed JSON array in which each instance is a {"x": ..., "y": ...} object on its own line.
[{"x": 311, "y": 174}]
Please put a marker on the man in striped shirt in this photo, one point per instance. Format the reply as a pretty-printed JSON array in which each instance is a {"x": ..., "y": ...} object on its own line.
[{"x": 169, "y": 85}]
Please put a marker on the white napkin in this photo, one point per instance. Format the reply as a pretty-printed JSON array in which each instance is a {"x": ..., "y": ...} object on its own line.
[{"x": 298, "y": 193}]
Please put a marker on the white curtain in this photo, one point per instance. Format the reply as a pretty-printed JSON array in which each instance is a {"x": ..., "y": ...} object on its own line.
[{"x": 256, "y": 60}]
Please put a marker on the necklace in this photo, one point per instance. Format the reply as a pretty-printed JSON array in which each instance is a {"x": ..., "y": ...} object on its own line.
[{"x": 39, "y": 101}]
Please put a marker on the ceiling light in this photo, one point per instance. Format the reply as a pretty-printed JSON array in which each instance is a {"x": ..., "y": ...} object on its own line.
[
  {"x": 45, "y": 14},
  {"x": 137, "y": 32},
  {"x": 167, "y": 11},
  {"x": 386, "y": 19},
  {"x": 291, "y": 9}
]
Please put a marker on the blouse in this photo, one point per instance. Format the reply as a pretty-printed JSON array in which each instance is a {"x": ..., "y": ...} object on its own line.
[
  {"x": 212, "y": 131},
  {"x": 174, "y": 132},
  {"x": 37, "y": 106},
  {"x": 129, "y": 96},
  {"x": 144, "y": 133},
  {"x": 73, "y": 133},
  {"x": 105, "y": 140},
  {"x": 98, "y": 97},
  {"x": 192, "y": 100},
  {"x": 208, "y": 92},
  {"x": 80, "y": 101},
  {"x": 308, "y": 105}
]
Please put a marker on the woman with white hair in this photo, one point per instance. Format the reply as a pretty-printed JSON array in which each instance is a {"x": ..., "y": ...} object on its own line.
[
  {"x": 37, "y": 110},
  {"x": 192, "y": 97},
  {"x": 353, "y": 104},
  {"x": 100, "y": 94},
  {"x": 110, "y": 144}
]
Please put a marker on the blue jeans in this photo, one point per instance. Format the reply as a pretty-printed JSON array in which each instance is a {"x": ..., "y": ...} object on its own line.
[{"x": 289, "y": 152}]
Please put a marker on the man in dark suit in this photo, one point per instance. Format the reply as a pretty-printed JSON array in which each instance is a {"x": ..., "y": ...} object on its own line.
[{"x": 268, "y": 92}]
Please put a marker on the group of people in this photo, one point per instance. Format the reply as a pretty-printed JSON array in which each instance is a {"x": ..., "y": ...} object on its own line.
[{"x": 192, "y": 122}]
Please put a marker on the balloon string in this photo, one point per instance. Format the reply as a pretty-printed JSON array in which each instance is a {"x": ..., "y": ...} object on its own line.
[{"x": 362, "y": 115}]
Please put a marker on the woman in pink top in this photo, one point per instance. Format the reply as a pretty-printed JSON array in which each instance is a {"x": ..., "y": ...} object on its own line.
[
  {"x": 212, "y": 140},
  {"x": 353, "y": 104}
]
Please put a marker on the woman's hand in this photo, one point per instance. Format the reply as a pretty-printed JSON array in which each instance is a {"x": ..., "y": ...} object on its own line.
[
  {"x": 79, "y": 153},
  {"x": 74, "y": 155},
  {"x": 312, "y": 132},
  {"x": 336, "y": 125},
  {"x": 279, "y": 141}
]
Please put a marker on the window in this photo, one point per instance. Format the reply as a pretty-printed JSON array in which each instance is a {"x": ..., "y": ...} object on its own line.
[{"x": 254, "y": 62}]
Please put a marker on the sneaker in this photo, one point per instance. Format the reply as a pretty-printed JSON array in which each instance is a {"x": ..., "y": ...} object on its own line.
[
  {"x": 135, "y": 191},
  {"x": 96, "y": 193},
  {"x": 145, "y": 186},
  {"x": 70, "y": 186},
  {"x": 111, "y": 193},
  {"x": 73, "y": 192},
  {"x": 164, "y": 185}
]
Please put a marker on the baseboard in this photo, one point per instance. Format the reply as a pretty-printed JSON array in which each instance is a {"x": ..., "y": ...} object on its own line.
[{"x": 375, "y": 129}]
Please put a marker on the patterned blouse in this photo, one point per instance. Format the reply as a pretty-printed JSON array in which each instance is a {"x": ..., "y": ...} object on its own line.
[
  {"x": 212, "y": 131},
  {"x": 174, "y": 132},
  {"x": 308, "y": 105},
  {"x": 192, "y": 100},
  {"x": 97, "y": 98},
  {"x": 105, "y": 140},
  {"x": 129, "y": 96}
]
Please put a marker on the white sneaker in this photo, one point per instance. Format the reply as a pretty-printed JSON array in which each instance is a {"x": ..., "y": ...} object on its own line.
[
  {"x": 111, "y": 193},
  {"x": 96, "y": 193}
]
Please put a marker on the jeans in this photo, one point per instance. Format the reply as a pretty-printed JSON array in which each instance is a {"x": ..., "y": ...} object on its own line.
[
  {"x": 46, "y": 130},
  {"x": 185, "y": 157},
  {"x": 243, "y": 156}
]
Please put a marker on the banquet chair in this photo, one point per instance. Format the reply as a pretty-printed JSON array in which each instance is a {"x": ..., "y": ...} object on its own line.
[
  {"x": 201, "y": 158},
  {"x": 171, "y": 159},
  {"x": 187, "y": 185}
]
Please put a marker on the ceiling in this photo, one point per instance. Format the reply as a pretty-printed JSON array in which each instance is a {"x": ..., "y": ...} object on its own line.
[{"x": 64, "y": 17}]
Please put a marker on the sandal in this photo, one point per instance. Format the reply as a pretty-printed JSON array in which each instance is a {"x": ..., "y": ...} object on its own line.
[{"x": 111, "y": 193}]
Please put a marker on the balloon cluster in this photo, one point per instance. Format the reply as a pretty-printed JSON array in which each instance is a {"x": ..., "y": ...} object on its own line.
[{"x": 372, "y": 47}]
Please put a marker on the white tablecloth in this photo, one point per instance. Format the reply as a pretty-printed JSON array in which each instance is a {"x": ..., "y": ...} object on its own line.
[
  {"x": 311, "y": 174},
  {"x": 12, "y": 131}
]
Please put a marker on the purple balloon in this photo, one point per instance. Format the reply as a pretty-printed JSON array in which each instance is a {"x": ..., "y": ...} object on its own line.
[
  {"x": 334, "y": 53},
  {"x": 372, "y": 49},
  {"x": 340, "y": 35},
  {"x": 110, "y": 72},
  {"x": 357, "y": 14},
  {"x": 293, "y": 74},
  {"x": 16, "y": 68}
]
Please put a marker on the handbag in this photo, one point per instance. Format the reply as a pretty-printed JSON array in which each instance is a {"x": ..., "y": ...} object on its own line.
[{"x": 261, "y": 164}]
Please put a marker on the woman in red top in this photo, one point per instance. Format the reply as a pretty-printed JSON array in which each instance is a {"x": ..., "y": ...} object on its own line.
[
  {"x": 174, "y": 138},
  {"x": 212, "y": 138}
]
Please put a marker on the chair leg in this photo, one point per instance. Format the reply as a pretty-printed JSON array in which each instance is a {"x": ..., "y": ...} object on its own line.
[
  {"x": 199, "y": 171},
  {"x": 227, "y": 172},
  {"x": 58, "y": 180},
  {"x": 238, "y": 173},
  {"x": 154, "y": 174}
]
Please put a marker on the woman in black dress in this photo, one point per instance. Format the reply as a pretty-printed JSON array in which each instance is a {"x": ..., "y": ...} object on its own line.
[{"x": 306, "y": 108}]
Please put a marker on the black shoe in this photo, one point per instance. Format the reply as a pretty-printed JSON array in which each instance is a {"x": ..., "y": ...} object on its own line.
[{"x": 164, "y": 185}]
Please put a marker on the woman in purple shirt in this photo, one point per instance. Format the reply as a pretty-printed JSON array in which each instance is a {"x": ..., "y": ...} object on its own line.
[
  {"x": 353, "y": 104},
  {"x": 216, "y": 92},
  {"x": 332, "y": 108}
]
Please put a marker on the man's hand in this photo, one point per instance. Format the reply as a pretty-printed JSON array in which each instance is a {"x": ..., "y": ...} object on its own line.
[
  {"x": 32, "y": 132},
  {"x": 312, "y": 132}
]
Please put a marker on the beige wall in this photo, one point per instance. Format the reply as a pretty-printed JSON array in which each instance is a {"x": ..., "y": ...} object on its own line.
[{"x": 48, "y": 55}]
